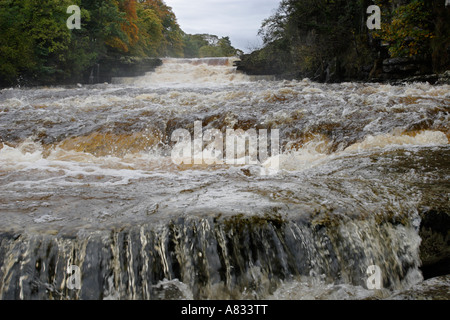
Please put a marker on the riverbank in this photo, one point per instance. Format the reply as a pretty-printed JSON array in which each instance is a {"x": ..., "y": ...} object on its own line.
[
  {"x": 393, "y": 71},
  {"x": 334, "y": 42}
]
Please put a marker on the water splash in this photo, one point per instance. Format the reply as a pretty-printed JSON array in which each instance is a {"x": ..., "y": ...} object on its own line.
[
  {"x": 87, "y": 180},
  {"x": 191, "y": 72}
]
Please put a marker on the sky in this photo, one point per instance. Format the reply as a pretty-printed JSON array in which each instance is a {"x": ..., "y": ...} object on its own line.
[{"x": 238, "y": 19}]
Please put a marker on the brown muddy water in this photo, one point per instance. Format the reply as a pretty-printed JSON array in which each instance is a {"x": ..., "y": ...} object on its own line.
[{"x": 87, "y": 180}]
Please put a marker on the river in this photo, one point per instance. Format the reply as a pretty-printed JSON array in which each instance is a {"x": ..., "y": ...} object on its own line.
[{"x": 88, "y": 180}]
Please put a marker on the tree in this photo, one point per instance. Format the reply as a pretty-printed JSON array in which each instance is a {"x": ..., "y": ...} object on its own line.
[
  {"x": 408, "y": 29},
  {"x": 207, "y": 45},
  {"x": 192, "y": 44},
  {"x": 36, "y": 47},
  {"x": 129, "y": 26},
  {"x": 226, "y": 49},
  {"x": 150, "y": 32},
  {"x": 172, "y": 42},
  {"x": 16, "y": 51},
  {"x": 312, "y": 35}
]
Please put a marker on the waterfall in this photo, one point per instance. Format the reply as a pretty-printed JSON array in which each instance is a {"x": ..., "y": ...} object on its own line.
[{"x": 92, "y": 205}]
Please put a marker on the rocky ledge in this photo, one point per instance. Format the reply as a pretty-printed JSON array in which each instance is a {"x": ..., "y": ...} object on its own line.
[
  {"x": 432, "y": 289},
  {"x": 111, "y": 67},
  {"x": 396, "y": 71}
]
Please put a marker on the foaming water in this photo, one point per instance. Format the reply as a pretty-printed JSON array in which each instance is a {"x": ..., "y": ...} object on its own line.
[
  {"x": 193, "y": 72},
  {"x": 425, "y": 138},
  {"x": 87, "y": 178}
]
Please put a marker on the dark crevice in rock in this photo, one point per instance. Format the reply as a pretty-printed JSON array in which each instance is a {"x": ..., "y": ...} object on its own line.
[{"x": 435, "y": 246}]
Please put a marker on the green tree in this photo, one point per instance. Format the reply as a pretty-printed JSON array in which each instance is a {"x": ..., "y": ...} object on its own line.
[
  {"x": 44, "y": 24},
  {"x": 105, "y": 26},
  {"x": 408, "y": 29},
  {"x": 226, "y": 49},
  {"x": 314, "y": 37},
  {"x": 16, "y": 49},
  {"x": 81, "y": 53},
  {"x": 150, "y": 32},
  {"x": 192, "y": 44},
  {"x": 171, "y": 44},
  {"x": 36, "y": 47},
  {"x": 207, "y": 45}
]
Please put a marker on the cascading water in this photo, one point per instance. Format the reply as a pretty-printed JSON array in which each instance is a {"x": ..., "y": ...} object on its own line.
[
  {"x": 190, "y": 72},
  {"x": 87, "y": 180}
]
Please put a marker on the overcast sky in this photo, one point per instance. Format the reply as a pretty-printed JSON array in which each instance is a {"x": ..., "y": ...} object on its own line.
[{"x": 238, "y": 19}]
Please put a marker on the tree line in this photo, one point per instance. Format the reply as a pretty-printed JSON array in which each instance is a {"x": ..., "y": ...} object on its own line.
[
  {"x": 36, "y": 45},
  {"x": 319, "y": 38}
]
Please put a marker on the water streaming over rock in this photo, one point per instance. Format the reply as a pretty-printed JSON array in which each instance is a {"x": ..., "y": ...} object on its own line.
[{"x": 87, "y": 180}]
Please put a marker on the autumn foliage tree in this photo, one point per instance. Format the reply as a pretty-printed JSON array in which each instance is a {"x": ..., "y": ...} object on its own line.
[
  {"x": 171, "y": 43},
  {"x": 408, "y": 29},
  {"x": 128, "y": 26},
  {"x": 37, "y": 46},
  {"x": 150, "y": 32},
  {"x": 328, "y": 40}
]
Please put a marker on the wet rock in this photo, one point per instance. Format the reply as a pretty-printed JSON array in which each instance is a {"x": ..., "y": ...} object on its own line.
[
  {"x": 430, "y": 78},
  {"x": 400, "y": 68},
  {"x": 435, "y": 246},
  {"x": 444, "y": 78},
  {"x": 122, "y": 67},
  {"x": 435, "y": 225},
  {"x": 200, "y": 258},
  {"x": 432, "y": 289},
  {"x": 414, "y": 69},
  {"x": 267, "y": 62}
]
